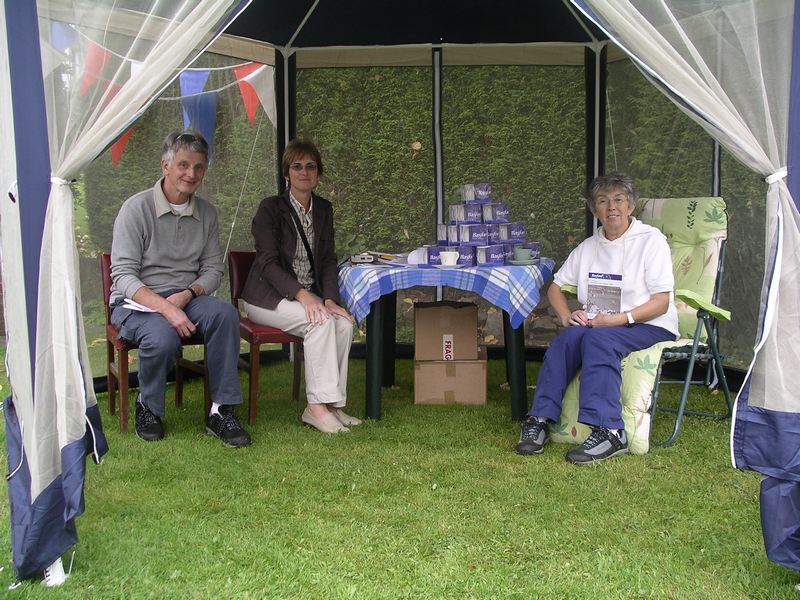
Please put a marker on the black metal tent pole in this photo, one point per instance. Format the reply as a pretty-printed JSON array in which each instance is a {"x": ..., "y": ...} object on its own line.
[{"x": 595, "y": 69}]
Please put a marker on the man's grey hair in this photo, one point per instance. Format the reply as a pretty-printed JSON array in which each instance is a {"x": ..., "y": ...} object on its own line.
[
  {"x": 611, "y": 181},
  {"x": 183, "y": 140}
]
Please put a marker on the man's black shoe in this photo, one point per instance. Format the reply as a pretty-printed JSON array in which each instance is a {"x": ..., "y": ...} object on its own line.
[
  {"x": 533, "y": 437},
  {"x": 227, "y": 428},
  {"x": 600, "y": 445},
  {"x": 148, "y": 424}
]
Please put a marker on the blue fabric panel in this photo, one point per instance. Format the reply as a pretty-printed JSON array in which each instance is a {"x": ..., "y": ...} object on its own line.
[
  {"x": 780, "y": 521},
  {"x": 793, "y": 151},
  {"x": 767, "y": 441},
  {"x": 202, "y": 111},
  {"x": 39, "y": 534},
  {"x": 31, "y": 147},
  {"x": 44, "y": 530}
]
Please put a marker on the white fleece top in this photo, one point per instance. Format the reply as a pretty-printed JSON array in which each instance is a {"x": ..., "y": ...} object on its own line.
[{"x": 641, "y": 256}]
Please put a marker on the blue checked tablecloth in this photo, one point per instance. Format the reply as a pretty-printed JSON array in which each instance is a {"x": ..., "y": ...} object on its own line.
[{"x": 514, "y": 289}]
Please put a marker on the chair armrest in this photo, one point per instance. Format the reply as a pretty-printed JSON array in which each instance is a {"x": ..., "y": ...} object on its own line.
[
  {"x": 695, "y": 301},
  {"x": 569, "y": 289}
]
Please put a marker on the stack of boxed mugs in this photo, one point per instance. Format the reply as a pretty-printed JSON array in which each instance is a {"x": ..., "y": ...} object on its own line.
[{"x": 480, "y": 230}]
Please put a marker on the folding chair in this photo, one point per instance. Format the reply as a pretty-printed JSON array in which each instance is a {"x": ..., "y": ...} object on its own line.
[
  {"x": 239, "y": 264},
  {"x": 697, "y": 231},
  {"x": 117, "y": 359}
]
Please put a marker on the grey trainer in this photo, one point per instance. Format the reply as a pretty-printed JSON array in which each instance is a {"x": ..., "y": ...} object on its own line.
[
  {"x": 600, "y": 445},
  {"x": 533, "y": 437}
]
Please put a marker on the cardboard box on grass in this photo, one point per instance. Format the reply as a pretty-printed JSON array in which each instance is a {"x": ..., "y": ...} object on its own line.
[
  {"x": 451, "y": 381},
  {"x": 445, "y": 331}
]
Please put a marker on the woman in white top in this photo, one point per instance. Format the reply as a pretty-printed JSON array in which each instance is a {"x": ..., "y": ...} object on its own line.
[{"x": 624, "y": 278}]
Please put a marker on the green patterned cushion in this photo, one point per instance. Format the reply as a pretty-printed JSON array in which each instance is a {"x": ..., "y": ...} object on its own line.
[{"x": 695, "y": 228}]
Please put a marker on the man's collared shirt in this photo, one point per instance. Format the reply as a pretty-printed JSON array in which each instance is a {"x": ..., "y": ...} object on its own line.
[{"x": 301, "y": 264}]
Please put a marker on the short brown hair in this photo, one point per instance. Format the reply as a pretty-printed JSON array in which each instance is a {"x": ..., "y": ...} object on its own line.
[
  {"x": 297, "y": 148},
  {"x": 611, "y": 181}
]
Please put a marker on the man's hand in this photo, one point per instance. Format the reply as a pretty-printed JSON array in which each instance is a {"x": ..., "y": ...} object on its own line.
[
  {"x": 180, "y": 299},
  {"x": 178, "y": 319},
  {"x": 337, "y": 311}
]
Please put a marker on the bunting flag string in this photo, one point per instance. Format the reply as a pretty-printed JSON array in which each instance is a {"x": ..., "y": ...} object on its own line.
[
  {"x": 249, "y": 95},
  {"x": 96, "y": 57},
  {"x": 199, "y": 110}
]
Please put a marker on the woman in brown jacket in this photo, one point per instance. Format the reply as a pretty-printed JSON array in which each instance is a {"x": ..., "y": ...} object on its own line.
[{"x": 293, "y": 284}]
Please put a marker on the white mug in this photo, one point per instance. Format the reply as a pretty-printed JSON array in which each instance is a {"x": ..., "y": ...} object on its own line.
[{"x": 449, "y": 257}]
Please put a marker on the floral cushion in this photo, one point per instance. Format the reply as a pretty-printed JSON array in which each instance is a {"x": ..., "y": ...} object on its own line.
[{"x": 695, "y": 228}]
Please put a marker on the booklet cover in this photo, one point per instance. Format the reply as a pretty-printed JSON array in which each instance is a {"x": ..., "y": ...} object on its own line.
[{"x": 604, "y": 294}]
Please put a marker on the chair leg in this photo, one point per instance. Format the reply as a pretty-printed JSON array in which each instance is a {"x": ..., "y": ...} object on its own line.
[
  {"x": 686, "y": 383},
  {"x": 298, "y": 360},
  {"x": 122, "y": 367},
  {"x": 255, "y": 364},
  {"x": 178, "y": 383},
  {"x": 206, "y": 384},
  {"x": 111, "y": 382},
  {"x": 723, "y": 381}
]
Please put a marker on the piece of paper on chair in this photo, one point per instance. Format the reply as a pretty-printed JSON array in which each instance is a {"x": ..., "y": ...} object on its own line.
[{"x": 130, "y": 304}]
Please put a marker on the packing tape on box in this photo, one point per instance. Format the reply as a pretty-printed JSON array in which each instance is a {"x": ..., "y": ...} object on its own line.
[
  {"x": 450, "y": 369},
  {"x": 450, "y": 397}
]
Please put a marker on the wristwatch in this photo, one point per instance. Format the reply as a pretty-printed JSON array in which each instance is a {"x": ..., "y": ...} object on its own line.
[
  {"x": 194, "y": 294},
  {"x": 629, "y": 314}
]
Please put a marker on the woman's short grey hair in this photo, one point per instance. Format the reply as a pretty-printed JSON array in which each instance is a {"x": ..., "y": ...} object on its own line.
[
  {"x": 611, "y": 181},
  {"x": 183, "y": 140}
]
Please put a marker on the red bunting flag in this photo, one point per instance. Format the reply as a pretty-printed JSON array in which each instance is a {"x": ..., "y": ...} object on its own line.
[
  {"x": 249, "y": 96},
  {"x": 119, "y": 146},
  {"x": 96, "y": 57}
]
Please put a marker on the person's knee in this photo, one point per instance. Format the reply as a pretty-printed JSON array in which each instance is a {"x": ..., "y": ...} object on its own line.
[{"x": 163, "y": 342}]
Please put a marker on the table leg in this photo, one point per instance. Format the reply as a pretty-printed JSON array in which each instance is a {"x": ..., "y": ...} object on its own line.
[
  {"x": 372, "y": 406},
  {"x": 389, "y": 302},
  {"x": 515, "y": 367}
]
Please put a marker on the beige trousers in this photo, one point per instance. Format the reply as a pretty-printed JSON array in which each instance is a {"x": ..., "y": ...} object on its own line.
[{"x": 326, "y": 348}]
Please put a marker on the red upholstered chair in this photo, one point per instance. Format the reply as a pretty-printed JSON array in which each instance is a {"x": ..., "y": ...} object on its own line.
[
  {"x": 239, "y": 264},
  {"x": 117, "y": 359}
]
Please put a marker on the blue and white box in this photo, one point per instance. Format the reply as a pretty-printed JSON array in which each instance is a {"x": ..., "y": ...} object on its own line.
[
  {"x": 493, "y": 233},
  {"x": 490, "y": 255},
  {"x": 476, "y": 193},
  {"x": 466, "y": 256},
  {"x": 472, "y": 235},
  {"x": 483, "y": 191},
  {"x": 452, "y": 235},
  {"x": 508, "y": 251},
  {"x": 441, "y": 235},
  {"x": 535, "y": 250},
  {"x": 466, "y": 213},
  {"x": 495, "y": 212},
  {"x": 433, "y": 257},
  {"x": 513, "y": 232}
]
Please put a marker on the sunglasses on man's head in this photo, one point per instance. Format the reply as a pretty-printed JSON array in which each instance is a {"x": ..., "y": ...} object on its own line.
[{"x": 309, "y": 166}]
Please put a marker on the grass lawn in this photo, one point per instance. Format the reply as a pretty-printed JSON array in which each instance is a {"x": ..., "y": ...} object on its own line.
[{"x": 429, "y": 502}]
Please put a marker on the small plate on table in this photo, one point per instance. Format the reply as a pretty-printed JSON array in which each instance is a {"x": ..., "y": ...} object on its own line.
[
  {"x": 524, "y": 263},
  {"x": 447, "y": 266}
]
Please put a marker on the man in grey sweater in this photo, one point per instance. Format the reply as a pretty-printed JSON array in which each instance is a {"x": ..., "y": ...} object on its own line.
[{"x": 165, "y": 256}]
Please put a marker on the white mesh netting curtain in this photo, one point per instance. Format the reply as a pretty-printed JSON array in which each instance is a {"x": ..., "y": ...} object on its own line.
[
  {"x": 104, "y": 62},
  {"x": 728, "y": 66}
]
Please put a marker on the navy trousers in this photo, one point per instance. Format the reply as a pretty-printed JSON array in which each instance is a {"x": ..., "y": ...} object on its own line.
[
  {"x": 160, "y": 345},
  {"x": 596, "y": 353}
]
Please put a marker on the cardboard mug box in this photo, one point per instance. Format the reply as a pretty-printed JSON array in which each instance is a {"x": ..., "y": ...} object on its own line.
[
  {"x": 445, "y": 331},
  {"x": 451, "y": 381}
]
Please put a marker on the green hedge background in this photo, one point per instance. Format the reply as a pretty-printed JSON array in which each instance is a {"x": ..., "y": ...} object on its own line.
[{"x": 519, "y": 127}]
